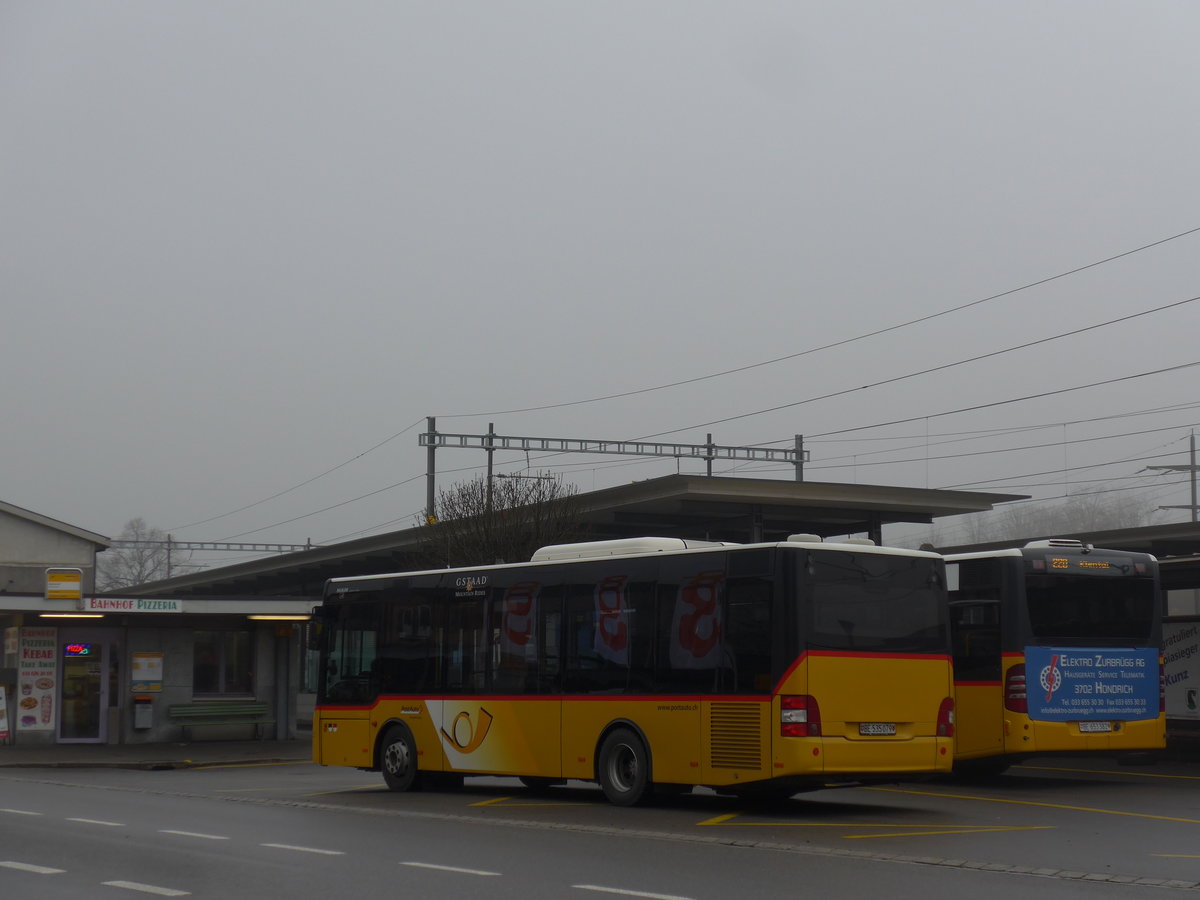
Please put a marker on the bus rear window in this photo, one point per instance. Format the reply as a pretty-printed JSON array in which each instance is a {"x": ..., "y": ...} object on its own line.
[
  {"x": 1082, "y": 609},
  {"x": 874, "y": 603}
]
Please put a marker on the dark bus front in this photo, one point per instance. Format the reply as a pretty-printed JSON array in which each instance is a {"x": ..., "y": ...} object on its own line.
[{"x": 1056, "y": 650}]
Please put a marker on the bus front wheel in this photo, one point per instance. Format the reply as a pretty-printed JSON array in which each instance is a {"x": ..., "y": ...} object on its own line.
[
  {"x": 624, "y": 769},
  {"x": 398, "y": 759}
]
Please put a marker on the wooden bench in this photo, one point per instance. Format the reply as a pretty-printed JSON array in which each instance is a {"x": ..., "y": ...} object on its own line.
[{"x": 220, "y": 712}]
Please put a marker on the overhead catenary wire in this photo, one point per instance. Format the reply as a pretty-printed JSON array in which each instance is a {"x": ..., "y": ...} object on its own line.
[
  {"x": 302, "y": 483},
  {"x": 830, "y": 346},
  {"x": 762, "y": 363},
  {"x": 928, "y": 371}
]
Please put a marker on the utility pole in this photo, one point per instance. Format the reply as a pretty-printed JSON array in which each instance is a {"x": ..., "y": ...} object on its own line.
[
  {"x": 430, "y": 441},
  {"x": 1191, "y": 467}
]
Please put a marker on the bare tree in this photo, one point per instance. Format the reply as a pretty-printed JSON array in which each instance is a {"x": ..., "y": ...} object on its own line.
[
  {"x": 148, "y": 557},
  {"x": 506, "y": 521}
]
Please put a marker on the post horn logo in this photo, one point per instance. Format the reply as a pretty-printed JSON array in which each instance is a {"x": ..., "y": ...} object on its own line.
[
  {"x": 1050, "y": 678},
  {"x": 465, "y": 735}
]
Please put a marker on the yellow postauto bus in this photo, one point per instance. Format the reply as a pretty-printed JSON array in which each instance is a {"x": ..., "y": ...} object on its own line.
[
  {"x": 1056, "y": 650},
  {"x": 643, "y": 664}
]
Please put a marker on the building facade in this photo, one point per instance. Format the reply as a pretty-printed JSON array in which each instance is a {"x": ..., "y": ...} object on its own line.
[{"x": 82, "y": 668}]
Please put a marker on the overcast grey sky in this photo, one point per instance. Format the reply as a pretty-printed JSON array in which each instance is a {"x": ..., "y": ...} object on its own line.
[{"x": 244, "y": 243}]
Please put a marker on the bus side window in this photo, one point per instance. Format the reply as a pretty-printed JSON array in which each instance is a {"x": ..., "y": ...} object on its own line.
[
  {"x": 747, "y": 640},
  {"x": 609, "y": 628},
  {"x": 464, "y": 653},
  {"x": 974, "y": 591},
  {"x": 407, "y": 661},
  {"x": 975, "y": 627},
  {"x": 351, "y": 662},
  {"x": 690, "y": 626}
]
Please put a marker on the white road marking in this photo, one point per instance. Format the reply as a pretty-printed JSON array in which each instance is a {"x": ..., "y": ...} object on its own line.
[
  {"x": 147, "y": 888},
  {"x": 305, "y": 849},
  {"x": 195, "y": 834},
  {"x": 612, "y": 890},
  {"x": 29, "y": 867},
  {"x": 97, "y": 822},
  {"x": 421, "y": 865},
  {"x": 21, "y": 812}
]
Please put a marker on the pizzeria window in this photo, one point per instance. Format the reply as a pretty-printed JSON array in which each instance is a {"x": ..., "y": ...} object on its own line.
[{"x": 223, "y": 663}]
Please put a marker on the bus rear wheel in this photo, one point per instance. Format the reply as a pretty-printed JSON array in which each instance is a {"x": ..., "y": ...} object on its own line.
[
  {"x": 398, "y": 759},
  {"x": 624, "y": 768}
]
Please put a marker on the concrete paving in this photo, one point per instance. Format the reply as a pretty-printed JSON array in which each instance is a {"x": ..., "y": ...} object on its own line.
[
  {"x": 175, "y": 755},
  {"x": 1182, "y": 746}
]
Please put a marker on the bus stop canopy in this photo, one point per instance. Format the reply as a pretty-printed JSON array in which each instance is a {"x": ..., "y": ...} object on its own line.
[{"x": 689, "y": 506}]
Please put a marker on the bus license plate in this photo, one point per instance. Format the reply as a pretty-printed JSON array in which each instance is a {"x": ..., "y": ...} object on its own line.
[
  {"x": 1095, "y": 727},
  {"x": 876, "y": 727}
]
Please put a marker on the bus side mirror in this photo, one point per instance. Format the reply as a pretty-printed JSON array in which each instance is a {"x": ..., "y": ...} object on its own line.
[{"x": 316, "y": 628}]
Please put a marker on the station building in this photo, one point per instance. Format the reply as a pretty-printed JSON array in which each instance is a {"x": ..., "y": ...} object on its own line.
[{"x": 84, "y": 668}]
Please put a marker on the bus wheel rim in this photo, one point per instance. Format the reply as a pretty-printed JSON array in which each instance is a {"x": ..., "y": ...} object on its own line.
[
  {"x": 623, "y": 768},
  {"x": 395, "y": 758}
]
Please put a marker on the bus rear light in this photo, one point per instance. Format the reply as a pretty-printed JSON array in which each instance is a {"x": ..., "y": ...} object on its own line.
[
  {"x": 1015, "y": 698},
  {"x": 799, "y": 716},
  {"x": 945, "y": 719}
]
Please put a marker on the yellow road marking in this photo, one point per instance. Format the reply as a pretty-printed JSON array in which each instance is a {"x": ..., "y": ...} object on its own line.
[
  {"x": 496, "y": 801},
  {"x": 1107, "y": 772},
  {"x": 239, "y": 790},
  {"x": 258, "y": 765},
  {"x": 963, "y": 829},
  {"x": 936, "y": 829},
  {"x": 361, "y": 787},
  {"x": 1176, "y": 855},
  {"x": 1090, "y": 809},
  {"x": 491, "y": 802}
]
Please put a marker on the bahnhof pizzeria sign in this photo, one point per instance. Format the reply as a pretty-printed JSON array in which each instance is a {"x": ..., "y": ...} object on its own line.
[{"x": 130, "y": 605}]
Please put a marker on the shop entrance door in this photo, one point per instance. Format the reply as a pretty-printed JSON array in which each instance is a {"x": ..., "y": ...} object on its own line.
[{"x": 83, "y": 714}]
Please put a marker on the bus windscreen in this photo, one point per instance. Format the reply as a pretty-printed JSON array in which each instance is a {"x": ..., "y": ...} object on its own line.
[
  {"x": 875, "y": 604},
  {"x": 1082, "y": 608}
]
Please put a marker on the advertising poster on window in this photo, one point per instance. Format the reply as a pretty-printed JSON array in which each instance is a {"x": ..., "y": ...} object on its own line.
[
  {"x": 4, "y": 739},
  {"x": 1181, "y": 668},
  {"x": 1069, "y": 684},
  {"x": 147, "y": 672},
  {"x": 517, "y": 620},
  {"x": 37, "y": 678},
  {"x": 611, "y": 640},
  {"x": 696, "y": 623}
]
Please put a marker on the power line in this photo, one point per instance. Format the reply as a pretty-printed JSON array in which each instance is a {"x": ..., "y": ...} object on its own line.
[
  {"x": 327, "y": 508},
  {"x": 829, "y": 346},
  {"x": 954, "y": 412},
  {"x": 896, "y": 462},
  {"x": 928, "y": 371},
  {"x": 980, "y": 433},
  {"x": 301, "y": 484}
]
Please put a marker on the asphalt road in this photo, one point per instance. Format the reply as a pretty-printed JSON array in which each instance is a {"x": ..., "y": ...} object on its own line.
[{"x": 1063, "y": 828}]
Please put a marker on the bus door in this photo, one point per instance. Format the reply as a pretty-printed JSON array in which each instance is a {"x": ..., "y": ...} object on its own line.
[
  {"x": 503, "y": 658},
  {"x": 979, "y": 729},
  {"x": 975, "y": 611},
  {"x": 342, "y": 730}
]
